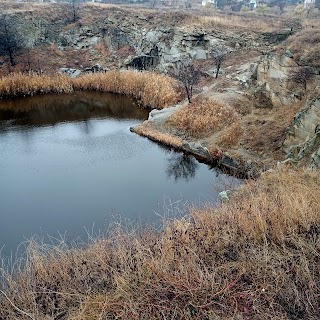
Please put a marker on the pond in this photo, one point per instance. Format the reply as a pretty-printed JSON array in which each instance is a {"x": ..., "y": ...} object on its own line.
[{"x": 70, "y": 166}]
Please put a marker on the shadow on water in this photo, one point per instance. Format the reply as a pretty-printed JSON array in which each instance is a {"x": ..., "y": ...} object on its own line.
[
  {"x": 78, "y": 106},
  {"x": 182, "y": 167}
]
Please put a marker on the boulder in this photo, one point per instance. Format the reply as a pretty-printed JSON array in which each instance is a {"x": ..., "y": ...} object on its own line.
[
  {"x": 72, "y": 73},
  {"x": 197, "y": 149}
]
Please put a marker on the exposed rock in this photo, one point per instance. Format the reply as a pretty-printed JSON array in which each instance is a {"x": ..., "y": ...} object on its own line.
[
  {"x": 72, "y": 73},
  {"x": 159, "y": 116},
  {"x": 272, "y": 75},
  {"x": 197, "y": 149},
  {"x": 302, "y": 137},
  {"x": 248, "y": 74},
  {"x": 224, "y": 195}
]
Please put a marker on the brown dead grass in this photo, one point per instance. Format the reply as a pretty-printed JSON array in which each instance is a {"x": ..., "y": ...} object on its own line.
[
  {"x": 249, "y": 21},
  {"x": 152, "y": 89},
  {"x": 254, "y": 257},
  {"x": 161, "y": 137},
  {"x": 30, "y": 84},
  {"x": 305, "y": 44},
  {"x": 264, "y": 129},
  {"x": 203, "y": 117}
]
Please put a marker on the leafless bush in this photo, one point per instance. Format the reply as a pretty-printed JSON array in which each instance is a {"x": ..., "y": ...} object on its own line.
[
  {"x": 188, "y": 74},
  {"x": 219, "y": 55}
]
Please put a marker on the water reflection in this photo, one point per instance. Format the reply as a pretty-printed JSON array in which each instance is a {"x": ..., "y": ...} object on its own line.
[
  {"x": 70, "y": 161},
  {"x": 78, "y": 106},
  {"x": 181, "y": 167}
]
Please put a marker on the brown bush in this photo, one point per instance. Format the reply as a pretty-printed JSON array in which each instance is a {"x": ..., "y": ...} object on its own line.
[{"x": 203, "y": 117}]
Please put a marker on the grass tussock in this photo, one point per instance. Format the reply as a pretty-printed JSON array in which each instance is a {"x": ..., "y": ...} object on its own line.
[
  {"x": 204, "y": 117},
  {"x": 254, "y": 257},
  {"x": 152, "y": 89}
]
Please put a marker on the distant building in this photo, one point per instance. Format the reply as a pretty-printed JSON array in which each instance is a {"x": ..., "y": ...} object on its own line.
[
  {"x": 211, "y": 3},
  {"x": 309, "y": 4},
  {"x": 252, "y": 4}
]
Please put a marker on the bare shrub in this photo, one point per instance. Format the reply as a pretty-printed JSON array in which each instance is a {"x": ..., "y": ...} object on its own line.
[
  {"x": 203, "y": 117},
  {"x": 188, "y": 74},
  {"x": 219, "y": 55}
]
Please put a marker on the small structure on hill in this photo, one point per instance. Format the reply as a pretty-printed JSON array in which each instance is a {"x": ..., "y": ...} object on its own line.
[
  {"x": 308, "y": 4},
  {"x": 209, "y": 3},
  {"x": 252, "y": 4}
]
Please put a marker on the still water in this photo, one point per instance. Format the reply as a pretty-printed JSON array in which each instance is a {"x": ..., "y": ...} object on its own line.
[{"x": 69, "y": 165}]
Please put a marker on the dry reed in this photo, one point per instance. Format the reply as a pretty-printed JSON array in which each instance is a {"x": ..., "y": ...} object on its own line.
[
  {"x": 254, "y": 257},
  {"x": 150, "y": 89},
  {"x": 30, "y": 84},
  {"x": 203, "y": 117}
]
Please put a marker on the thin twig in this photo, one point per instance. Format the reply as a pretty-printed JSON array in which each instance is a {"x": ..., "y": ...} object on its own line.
[{"x": 16, "y": 308}]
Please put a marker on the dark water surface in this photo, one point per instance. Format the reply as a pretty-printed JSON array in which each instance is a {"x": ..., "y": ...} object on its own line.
[{"x": 68, "y": 163}]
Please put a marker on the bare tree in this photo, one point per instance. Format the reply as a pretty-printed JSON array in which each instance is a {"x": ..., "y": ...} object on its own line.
[
  {"x": 10, "y": 43},
  {"x": 219, "y": 54},
  {"x": 73, "y": 8},
  {"x": 302, "y": 76},
  {"x": 187, "y": 73}
]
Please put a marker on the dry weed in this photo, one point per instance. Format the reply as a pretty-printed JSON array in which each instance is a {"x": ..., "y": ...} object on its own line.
[
  {"x": 203, "y": 117},
  {"x": 254, "y": 257},
  {"x": 30, "y": 84},
  {"x": 161, "y": 137},
  {"x": 151, "y": 89}
]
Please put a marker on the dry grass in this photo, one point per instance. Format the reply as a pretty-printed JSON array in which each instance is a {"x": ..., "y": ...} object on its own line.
[
  {"x": 203, "y": 117},
  {"x": 161, "y": 137},
  {"x": 151, "y": 89},
  {"x": 264, "y": 129},
  {"x": 305, "y": 44},
  {"x": 31, "y": 84},
  {"x": 249, "y": 21},
  {"x": 254, "y": 257},
  {"x": 231, "y": 136}
]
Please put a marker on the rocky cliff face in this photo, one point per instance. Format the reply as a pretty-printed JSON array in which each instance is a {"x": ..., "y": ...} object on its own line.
[
  {"x": 302, "y": 138},
  {"x": 273, "y": 79}
]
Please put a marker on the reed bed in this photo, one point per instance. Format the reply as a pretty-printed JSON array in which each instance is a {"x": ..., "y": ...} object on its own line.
[
  {"x": 203, "y": 117},
  {"x": 256, "y": 256},
  {"x": 19, "y": 84},
  {"x": 151, "y": 89}
]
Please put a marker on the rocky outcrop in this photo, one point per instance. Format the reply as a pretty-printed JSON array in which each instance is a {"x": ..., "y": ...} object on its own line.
[
  {"x": 302, "y": 137},
  {"x": 273, "y": 80}
]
